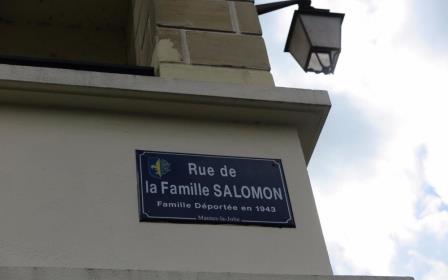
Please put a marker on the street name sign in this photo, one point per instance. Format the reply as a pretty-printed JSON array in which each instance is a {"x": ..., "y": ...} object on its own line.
[{"x": 193, "y": 188}]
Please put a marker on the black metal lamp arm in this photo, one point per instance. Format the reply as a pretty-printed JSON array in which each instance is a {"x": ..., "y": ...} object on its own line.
[{"x": 269, "y": 7}]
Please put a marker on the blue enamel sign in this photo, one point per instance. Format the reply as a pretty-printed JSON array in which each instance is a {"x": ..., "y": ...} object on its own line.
[{"x": 210, "y": 189}]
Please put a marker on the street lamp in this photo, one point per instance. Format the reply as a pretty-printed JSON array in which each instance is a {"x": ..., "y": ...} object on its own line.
[{"x": 314, "y": 38}]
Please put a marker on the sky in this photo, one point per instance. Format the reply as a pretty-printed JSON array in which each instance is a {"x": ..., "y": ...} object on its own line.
[{"x": 378, "y": 170}]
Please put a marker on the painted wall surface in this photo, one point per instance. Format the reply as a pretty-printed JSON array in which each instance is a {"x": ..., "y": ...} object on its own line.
[{"x": 68, "y": 196}]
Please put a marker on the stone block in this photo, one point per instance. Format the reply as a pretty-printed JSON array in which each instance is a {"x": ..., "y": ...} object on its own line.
[
  {"x": 248, "y": 18},
  {"x": 216, "y": 74},
  {"x": 169, "y": 45},
  {"x": 221, "y": 49},
  {"x": 197, "y": 14}
]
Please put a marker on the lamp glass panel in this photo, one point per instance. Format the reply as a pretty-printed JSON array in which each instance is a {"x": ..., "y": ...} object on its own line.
[
  {"x": 324, "y": 59},
  {"x": 323, "y": 31},
  {"x": 314, "y": 64}
]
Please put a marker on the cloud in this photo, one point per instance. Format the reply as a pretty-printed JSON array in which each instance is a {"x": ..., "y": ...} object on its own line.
[
  {"x": 439, "y": 270},
  {"x": 436, "y": 221},
  {"x": 366, "y": 215},
  {"x": 428, "y": 24},
  {"x": 355, "y": 139}
]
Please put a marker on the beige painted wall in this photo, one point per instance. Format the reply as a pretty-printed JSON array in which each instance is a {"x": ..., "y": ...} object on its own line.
[{"x": 68, "y": 196}]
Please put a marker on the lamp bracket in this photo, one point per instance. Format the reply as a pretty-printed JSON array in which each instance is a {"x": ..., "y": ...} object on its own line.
[{"x": 270, "y": 7}]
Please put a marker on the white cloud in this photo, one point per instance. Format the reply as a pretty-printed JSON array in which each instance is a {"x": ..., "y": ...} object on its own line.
[
  {"x": 435, "y": 164},
  {"x": 438, "y": 269},
  {"x": 366, "y": 215},
  {"x": 437, "y": 224}
]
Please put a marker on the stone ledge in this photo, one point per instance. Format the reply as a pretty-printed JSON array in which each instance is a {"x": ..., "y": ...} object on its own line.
[
  {"x": 215, "y": 74},
  {"x": 45, "y": 273},
  {"x": 37, "y": 86}
]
